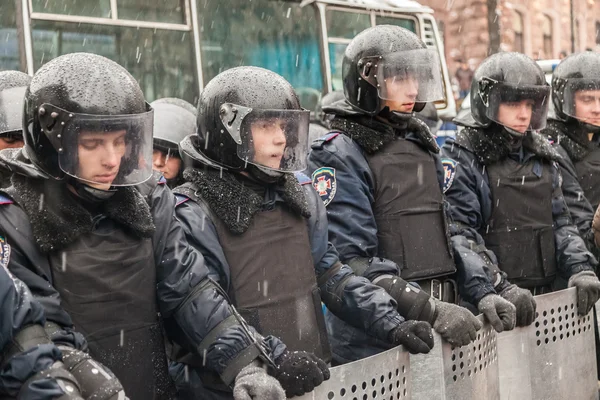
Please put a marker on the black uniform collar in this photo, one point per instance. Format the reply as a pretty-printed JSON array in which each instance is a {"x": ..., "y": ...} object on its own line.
[
  {"x": 494, "y": 144},
  {"x": 58, "y": 218},
  {"x": 572, "y": 138},
  {"x": 235, "y": 199},
  {"x": 372, "y": 134}
]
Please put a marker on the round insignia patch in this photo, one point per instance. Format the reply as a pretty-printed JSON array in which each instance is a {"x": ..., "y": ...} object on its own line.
[
  {"x": 323, "y": 180},
  {"x": 449, "y": 172}
]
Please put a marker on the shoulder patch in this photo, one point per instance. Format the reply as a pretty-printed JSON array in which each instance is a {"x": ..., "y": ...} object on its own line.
[
  {"x": 330, "y": 136},
  {"x": 302, "y": 178},
  {"x": 5, "y": 199},
  {"x": 4, "y": 254},
  {"x": 449, "y": 172},
  {"x": 323, "y": 180},
  {"x": 180, "y": 199},
  {"x": 318, "y": 143}
]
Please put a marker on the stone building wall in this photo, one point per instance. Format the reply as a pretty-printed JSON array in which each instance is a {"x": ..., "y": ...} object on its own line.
[{"x": 464, "y": 26}]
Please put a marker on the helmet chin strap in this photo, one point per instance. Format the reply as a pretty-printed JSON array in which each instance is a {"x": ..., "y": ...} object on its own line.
[
  {"x": 588, "y": 128},
  {"x": 264, "y": 174},
  {"x": 89, "y": 193},
  {"x": 395, "y": 117},
  {"x": 514, "y": 133}
]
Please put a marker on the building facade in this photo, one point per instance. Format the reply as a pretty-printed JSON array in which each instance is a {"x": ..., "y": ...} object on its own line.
[{"x": 538, "y": 28}]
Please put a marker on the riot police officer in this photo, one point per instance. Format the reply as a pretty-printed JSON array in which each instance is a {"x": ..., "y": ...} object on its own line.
[
  {"x": 263, "y": 231},
  {"x": 30, "y": 362},
  {"x": 506, "y": 184},
  {"x": 575, "y": 129},
  {"x": 174, "y": 119},
  {"x": 94, "y": 237},
  {"x": 380, "y": 177},
  {"x": 12, "y": 91},
  {"x": 320, "y": 125}
]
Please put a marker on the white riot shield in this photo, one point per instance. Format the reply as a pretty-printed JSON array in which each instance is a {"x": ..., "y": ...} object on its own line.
[
  {"x": 385, "y": 375},
  {"x": 462, "y": 373},
  {"x": 552, "y": 359}
]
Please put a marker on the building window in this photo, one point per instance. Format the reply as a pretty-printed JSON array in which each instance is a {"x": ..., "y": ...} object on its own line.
[
  {"x": 548, "y": 37},
  {"x": 518, "y": 29}
]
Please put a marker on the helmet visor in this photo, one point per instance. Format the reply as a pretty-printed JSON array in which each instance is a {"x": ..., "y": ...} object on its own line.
[
  {"x": 108, "y": 150},
  {"x": 518, "y": 107},
  {"x": 405, "y": 77},
  {"x": 582, "y": 100},
  {"x": 273, "y": 139},
  {"x": 11, "y": 110}
]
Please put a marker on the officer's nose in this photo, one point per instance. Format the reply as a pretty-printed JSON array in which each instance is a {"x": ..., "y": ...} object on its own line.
[
  {"x": 112, "y": 158},
  {"x": 412, "y": 88},
  {"x": 279, "y": 137},
  {"x": 158, "y": 159}
]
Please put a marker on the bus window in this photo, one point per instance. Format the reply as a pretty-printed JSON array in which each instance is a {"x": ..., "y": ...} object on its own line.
[
  {"x": 406, "y": 23},
  {"x": 10, "y": 49},
  {"x": 277, "y": 35},
  {"x": 161, "y": 60},
  {"x": 342, "y": 26}
]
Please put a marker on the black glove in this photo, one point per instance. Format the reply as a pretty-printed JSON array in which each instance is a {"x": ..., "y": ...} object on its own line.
[
  {"x": 457, "y": 325},
  {"x": 499, "y": 312},
  {"x": 415, "y": 336},
  {"x": 300, "y": 372},
  {"x": 523, "y": 300},
  {"x": 588, "y": 290}
]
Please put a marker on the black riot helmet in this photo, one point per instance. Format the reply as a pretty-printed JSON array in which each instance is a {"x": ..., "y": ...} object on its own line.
[
  {"x": 384, "y": 55},
  {"x": 509, "y": 78},
  {"x": 77, "y": 95},
  {"x": 174, "y": 119},
  {"x": 577, "y": 72},
  {"x": 326, "y": 101},
  {"x": 13, "y": 85},
  {"x": 237, "y": 108}
]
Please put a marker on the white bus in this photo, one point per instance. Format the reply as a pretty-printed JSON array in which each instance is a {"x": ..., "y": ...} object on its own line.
[{"x": 173, "y": 47}]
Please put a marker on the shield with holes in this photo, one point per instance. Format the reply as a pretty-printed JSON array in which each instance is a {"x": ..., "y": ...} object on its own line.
[
  {"x": 386, "y": 375},
  {"x": 553, "y": 358},
  {"x": 467, "y": 372}
]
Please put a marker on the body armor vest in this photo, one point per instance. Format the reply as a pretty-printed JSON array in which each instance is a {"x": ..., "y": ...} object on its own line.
[
  {"x": 588, "y": 175},
  {"x": 273, "y": 283},
  {"x": 411, "y": 221},
  {"x": 520, "y": 231},
  {"x": 107, "y": 283}
]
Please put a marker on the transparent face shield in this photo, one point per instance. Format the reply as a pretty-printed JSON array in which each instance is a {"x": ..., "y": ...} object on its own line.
[
  {"x": 11, "y": 110},
  {"x": 107, "y": 150},
  {"x": 405, "y": 77},
  {"x": 273, "y": 139},
  {"x": 518, "y": 107},
  {"x": 582, "y": 100}
]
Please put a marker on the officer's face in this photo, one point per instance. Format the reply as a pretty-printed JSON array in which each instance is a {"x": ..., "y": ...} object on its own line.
[
  {"x": 100, "y": 155},
  {"x": 587, "y": 106},
  {"x": 10, "y": 142},
  {"x": 401, "y": 94},
  {"x": 516, "y": 115},
  {"x": 268, "y": 136},
  {"x": 168, "y": 164}
]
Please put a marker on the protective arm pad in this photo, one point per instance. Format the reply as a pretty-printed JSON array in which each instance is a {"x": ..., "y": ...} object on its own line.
[
  {"x": 95, "y": 380},
  {"x": 58, "y": 372},
  {"x": 413, "y": 303},
  {"x": 27, "y": 338}
]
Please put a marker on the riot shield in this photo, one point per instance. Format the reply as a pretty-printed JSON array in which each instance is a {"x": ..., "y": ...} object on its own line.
[
  {"x": 553, "y": 358},
  {"x": 385, "y": 375}
]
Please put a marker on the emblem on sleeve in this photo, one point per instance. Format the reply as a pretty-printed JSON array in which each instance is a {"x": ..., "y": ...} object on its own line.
[
  {"x": 323, "y": 180},
  {"x": 449, "y": 172}
]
